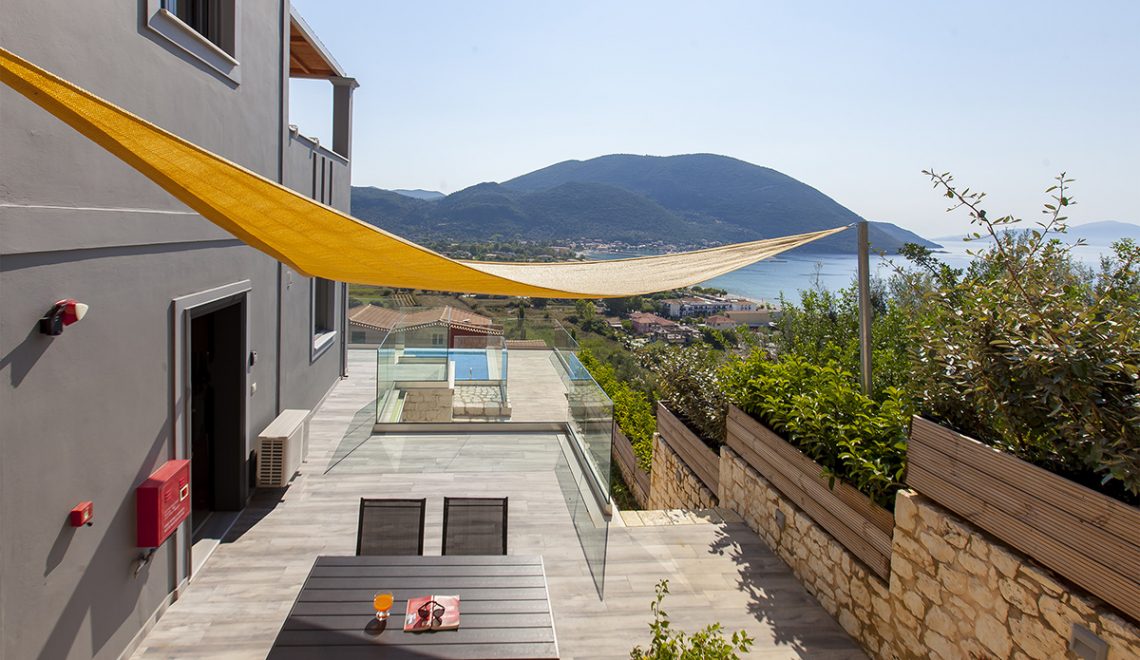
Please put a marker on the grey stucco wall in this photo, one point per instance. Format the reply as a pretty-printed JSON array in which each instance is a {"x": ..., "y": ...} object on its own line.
[
  {"x": 302, "y": 383},
  {"x": 87, "y": 415}
]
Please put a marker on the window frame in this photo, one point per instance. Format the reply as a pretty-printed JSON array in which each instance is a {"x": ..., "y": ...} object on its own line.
[
  {"x": 323, "y": 338},
  {"x": 224, "y": 61}
]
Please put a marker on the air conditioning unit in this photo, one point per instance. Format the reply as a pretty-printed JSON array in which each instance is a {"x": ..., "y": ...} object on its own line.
[{"x": 280, "y": 447}]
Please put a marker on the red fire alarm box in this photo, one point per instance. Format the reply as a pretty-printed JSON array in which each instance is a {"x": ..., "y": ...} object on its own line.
[{"x": 163, "y": 502}]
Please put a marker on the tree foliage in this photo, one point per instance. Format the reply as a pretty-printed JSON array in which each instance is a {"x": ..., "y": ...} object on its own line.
[
  {"x": 1025, "y": 349},
  {"x": 633, "y": 410},
  {"x": 688, "y": 383},
  {"x": 1028, "y": 350},
  {"x": 821, "y": 410}
]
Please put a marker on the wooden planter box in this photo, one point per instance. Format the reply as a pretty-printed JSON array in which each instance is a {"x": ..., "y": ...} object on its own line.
[
  {"x": 1090, "y": 539},
  {"x": 700, "y": 458},
  {"x": 863, "y": 527},
  {"x": 636, "y": 478}
]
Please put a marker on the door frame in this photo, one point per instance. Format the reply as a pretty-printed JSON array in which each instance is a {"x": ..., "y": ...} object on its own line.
[{"x": 183, "y": 310}]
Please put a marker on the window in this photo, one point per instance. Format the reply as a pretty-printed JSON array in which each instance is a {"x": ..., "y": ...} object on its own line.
[
  {"x": 206, "y": 17},
  {"x": 437, "y": 339},
  {"x": 359, "y": 337},
  {"x": 324, "y": 314},
  {"x": 204, "y": 29}
]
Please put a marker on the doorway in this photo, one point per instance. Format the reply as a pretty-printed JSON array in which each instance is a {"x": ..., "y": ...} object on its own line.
[{"x": 216, "y": 417}]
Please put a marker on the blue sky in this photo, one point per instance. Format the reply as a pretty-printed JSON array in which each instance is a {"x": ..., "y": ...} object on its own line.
[{"x": 852, "y": 98}]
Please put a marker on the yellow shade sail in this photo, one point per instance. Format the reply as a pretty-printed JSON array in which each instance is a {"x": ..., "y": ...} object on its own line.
[{"x": 317, "y": 240}]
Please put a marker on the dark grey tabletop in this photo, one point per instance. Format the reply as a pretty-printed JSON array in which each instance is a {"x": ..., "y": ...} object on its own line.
[{"x": 504, "y": 609}]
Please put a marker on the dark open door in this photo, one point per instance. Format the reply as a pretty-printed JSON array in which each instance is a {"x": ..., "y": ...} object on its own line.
[{"x": 217, "y": 388}]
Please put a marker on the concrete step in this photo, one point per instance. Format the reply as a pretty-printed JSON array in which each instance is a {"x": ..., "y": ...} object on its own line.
[{"x": 713, "y": 516}]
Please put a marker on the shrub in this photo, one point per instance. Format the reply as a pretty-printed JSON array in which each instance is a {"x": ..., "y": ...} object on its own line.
[
  {"x": 821, "y": 410},
  {"x": 688, "y": 382},
  {"x": 669, "y": 644},
  {"x": 1029, "y": 351},
  {"x": 633, "y": 411},
  {"x": 824, "y": 327}
]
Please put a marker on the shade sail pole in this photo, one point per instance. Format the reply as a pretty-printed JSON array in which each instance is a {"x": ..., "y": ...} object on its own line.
[{"x": 865, "y": 307}]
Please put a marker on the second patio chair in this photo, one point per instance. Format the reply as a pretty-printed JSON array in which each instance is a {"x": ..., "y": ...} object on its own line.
[
  {"x": 391, "y": 527},
  {"x": 474, "y": 525}
]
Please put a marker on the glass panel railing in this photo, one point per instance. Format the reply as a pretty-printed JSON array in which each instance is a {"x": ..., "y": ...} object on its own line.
[
  {"x": 590, "y": 414},
  {"x": 440, "y": 365},
  {"x": 443, "y": 364},
  {"x": 591, "y": 520}
]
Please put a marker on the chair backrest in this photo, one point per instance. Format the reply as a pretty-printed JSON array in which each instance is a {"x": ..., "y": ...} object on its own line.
[
  {"x": 391, "y": 527},
  {"x": 474, "y": 525}
]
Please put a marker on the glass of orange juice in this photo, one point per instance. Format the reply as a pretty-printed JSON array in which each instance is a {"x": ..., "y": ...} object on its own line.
[{"x": 382, "y": 603}]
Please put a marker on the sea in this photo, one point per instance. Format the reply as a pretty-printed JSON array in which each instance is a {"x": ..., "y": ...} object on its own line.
[{"x": 788, "y": 274}]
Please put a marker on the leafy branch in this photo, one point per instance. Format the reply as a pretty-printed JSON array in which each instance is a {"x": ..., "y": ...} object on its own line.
[{"x": 669, "y": 644}]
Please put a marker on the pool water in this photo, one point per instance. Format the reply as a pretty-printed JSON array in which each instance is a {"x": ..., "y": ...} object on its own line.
[
  {"x": 577, "y": 370},
  {"x": 470, "y": 363}
]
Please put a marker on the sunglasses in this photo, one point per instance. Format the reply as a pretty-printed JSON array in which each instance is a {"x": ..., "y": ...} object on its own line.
[{"x": 431, "y": 609}]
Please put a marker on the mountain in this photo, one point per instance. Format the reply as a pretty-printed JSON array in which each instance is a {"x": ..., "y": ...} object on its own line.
[
  {"x": 418, "y": 193},
  {"x": 698, "y": 199},
  {"x": 1105, "y": 232},
  {"x": 1101, "y": 233},
  {"x": 903, "y": 235}
]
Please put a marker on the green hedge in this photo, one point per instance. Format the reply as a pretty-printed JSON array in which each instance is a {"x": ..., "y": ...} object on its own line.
[
  {"x": 821, "y": 410},
  {"x": 633, "y": 411}
]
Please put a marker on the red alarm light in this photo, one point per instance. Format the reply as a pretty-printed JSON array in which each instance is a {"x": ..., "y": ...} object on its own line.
[
  {"x": 81, "y": 515},
  {"x": 63, "y": 313}
]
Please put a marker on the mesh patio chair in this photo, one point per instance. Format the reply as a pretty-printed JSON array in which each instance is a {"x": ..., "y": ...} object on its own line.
[
  {"x": 391, "y": 527},
  {"x": 474, "y": 525}
]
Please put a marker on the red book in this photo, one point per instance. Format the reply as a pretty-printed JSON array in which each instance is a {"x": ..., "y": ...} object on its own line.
[{"x": 432, "y": 613}]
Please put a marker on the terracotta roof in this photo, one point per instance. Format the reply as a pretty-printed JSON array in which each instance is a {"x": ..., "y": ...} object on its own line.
[
  {"x": 647, "y": 317},
  {"x": 382, "y": 318}
]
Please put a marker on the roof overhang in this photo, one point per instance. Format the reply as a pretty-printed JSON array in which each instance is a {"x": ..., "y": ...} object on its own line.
[{"x": 308, "y": 57}]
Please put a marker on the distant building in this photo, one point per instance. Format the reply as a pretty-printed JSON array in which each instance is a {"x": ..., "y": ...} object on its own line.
[
  {"x": 679, "y": 334},
  {"x": 614, "y": 322},
  {"x": 720, "y": 322},
  {"x": 438, "y": 326},
  {"x": 704, "y": 306},
  {"x": 754, "y": 319},
  {"x": 646, "y": 323}
]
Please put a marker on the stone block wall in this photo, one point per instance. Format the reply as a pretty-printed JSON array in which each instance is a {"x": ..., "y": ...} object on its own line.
[
  {"x": 427, "y": 405},
  {"x": 847, "y": 589},
  {"x": 954, "y": 592},
  {"x": 673, "y": 485}
]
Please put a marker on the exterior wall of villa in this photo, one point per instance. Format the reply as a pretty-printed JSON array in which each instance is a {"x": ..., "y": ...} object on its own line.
[
  {"x": 673, "y": 484},
  {"x": 953, "y": 590},
  {"x": 89, "y": 414}
]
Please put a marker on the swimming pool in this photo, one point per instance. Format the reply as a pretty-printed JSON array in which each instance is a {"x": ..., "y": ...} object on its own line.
[
  {"x": 576, "y": 369},
  {"x": 470, "y": 363}
]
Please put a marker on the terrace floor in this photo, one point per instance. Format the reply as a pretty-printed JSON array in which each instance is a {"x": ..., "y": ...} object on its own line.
[{"x": 717, "y": 570}]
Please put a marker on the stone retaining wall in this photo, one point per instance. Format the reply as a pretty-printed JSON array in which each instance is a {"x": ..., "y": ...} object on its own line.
[
  {"x": 954, "y": 592},
  {"x": 672, "y": 484},
  {"x": 846, "y": 588}
]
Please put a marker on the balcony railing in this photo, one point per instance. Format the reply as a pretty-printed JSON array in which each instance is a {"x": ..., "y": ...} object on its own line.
[{"x": 317, "y": 171}]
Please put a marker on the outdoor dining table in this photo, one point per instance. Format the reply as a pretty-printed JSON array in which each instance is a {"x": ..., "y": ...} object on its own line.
[{"x": 504, "y": 609}]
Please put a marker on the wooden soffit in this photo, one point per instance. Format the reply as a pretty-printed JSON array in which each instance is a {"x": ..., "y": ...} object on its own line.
[{"x": 308, "y": 57}]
